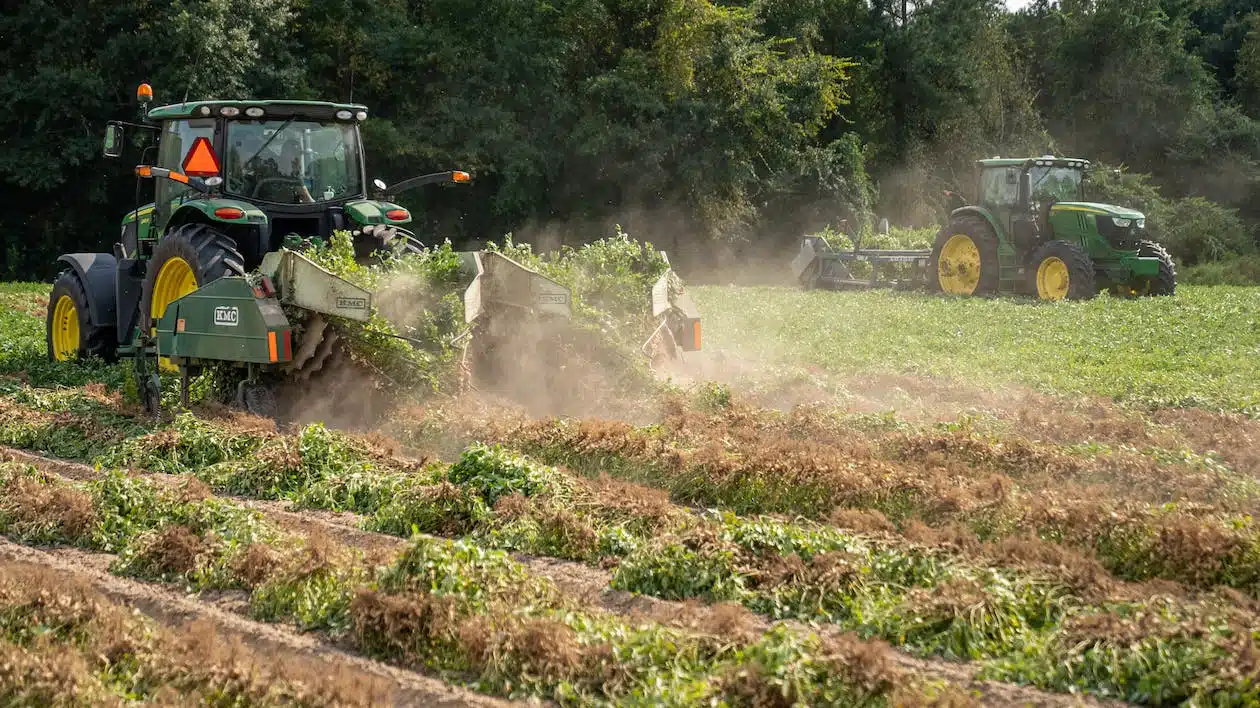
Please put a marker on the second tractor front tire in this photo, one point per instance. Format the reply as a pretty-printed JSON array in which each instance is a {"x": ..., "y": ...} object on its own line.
[
  {"x": 964, "y": 258},
  {"x": 1062, "y": 271},
  {"x": 1165, "y": 282}
]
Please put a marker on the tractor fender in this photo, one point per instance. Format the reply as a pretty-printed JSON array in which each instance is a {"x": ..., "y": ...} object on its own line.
[
  {"x": 98, "y": 272},
  {"x": 209, "y": 210},
  {"x": 981, "y": 212},
  {"x": 372, "y": 211}
]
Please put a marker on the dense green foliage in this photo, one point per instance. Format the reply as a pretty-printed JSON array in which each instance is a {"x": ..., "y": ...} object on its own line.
[{"x": 691, "y": 122}]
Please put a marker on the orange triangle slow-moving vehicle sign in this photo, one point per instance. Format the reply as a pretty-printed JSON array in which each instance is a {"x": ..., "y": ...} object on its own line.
[{"x": 201, "y": 160}]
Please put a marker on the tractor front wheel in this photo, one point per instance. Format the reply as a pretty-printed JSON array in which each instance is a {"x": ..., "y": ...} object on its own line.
[
  {"x": 187, "y": 258},
  {"x": 71, "y": 332},
  {"x": 964, "y": 258},
  {"x": 1163, "y": 283},
  {"x": 1062, "y": 270}
]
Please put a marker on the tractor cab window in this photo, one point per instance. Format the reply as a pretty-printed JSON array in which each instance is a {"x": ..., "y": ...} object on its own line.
[
  {"x": 293, "y": 161},
  {"x": 177, "y": 139},
  {"x": 1061, "y": 183},
  {"x": 999, "y": 188}
]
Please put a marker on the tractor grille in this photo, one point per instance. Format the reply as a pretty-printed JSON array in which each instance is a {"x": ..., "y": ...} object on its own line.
[{"x": 1122, "y": 238}]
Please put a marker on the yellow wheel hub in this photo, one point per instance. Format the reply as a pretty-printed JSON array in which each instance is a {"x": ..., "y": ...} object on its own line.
[
  {"x": 65, "y": 329},
  {"x": 175, "y": 280},
  {"x": 1052, "y": 279},
  {"x": 958, "y": 268}
]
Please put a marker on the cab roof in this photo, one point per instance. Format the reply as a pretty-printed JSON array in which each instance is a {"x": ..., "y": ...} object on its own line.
[
  {"x": 1042, "y": 160},
  {"x": 279, "y": 109}
]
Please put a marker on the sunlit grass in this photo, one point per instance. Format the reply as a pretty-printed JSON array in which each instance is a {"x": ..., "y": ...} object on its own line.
[{"x": 1199, "y": 348}]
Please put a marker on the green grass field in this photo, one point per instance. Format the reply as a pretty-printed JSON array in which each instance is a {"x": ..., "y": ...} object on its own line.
[{"x": 1200, "y": 348}]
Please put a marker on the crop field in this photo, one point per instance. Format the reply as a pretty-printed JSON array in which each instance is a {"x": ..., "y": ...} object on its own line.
[{"x": 854, "y": 499}]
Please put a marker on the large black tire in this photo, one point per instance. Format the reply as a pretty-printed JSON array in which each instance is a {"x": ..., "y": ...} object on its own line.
[
  {"x": 97, "y": 339},
  {"x": 985, "y": 242},
  {"x": 1165, "y": 283},
  {"x": 209, "y": 252},
  {"x": 1060, "y": 261}
]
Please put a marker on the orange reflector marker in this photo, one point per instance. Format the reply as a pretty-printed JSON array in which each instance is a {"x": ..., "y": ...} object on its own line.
[
  {"x": 229, "y": 213},
  {"x": 271, "y": 345},
  {"x": 182, "y": 178},
  {"x": 697, "y": 335},
  {"x": 201, "y": 160},
  {"x": 396, "y": 214},
  {"x": 460, "y": 176},
  {"x": 144, "y": 170}
]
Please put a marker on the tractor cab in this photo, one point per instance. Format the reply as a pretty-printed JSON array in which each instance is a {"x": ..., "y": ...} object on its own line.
[
  {"x": 1038, "y": 198},
  {"x": 266, "y": 173}
]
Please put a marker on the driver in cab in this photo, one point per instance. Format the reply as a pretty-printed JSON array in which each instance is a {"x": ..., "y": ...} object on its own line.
[{"x": 275, "y": 175}]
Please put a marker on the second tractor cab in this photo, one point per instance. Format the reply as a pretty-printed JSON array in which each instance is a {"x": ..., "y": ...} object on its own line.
[{"x": 1030, "y": 232}]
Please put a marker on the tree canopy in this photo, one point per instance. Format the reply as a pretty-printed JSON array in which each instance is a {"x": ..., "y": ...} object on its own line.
[{"x": 707, "y": 127}]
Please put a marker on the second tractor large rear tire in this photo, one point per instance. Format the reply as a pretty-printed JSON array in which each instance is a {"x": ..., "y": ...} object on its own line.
[
  {"x": 1062, "y": 271},
  {"x": 187, "y": 258},
  {"x": 964, "y": 258}
]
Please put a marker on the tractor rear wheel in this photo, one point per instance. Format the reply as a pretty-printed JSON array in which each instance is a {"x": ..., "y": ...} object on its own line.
[
  {"x": 187, "y": 258},
  {"x": 71, "y": 332},
  {"x": 1062, "y": 270},
  {"x": 964, "y": 258}
]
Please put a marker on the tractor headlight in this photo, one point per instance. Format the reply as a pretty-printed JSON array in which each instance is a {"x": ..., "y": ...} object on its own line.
[
  {"x": 1122, "y": 223},
  {"x": 1141, "y": 223}
]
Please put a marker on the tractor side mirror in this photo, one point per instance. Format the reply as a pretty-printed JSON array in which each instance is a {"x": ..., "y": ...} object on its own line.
[
  {"x": 1025, "y": 187},
  {"x": 113, "y": 140}
]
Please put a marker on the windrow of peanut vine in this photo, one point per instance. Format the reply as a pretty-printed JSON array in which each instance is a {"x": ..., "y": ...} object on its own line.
[
  {"x": 473, "y": 615},
  {"x": 1186, "y": 518},
  {"x": 927, "y": 600}
]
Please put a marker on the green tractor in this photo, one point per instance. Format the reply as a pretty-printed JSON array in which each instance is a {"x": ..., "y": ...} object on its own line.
[
  {"x": 198, "y": 275},
  {"x": 1032, "y": 232}
]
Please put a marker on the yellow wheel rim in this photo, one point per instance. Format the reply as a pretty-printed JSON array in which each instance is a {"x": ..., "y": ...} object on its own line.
[
  {"x": 175, "y": 280},
  {"x": 65, "y": 329},
  {"x": 1052, "y": 279},
  {"x": 958, "y": 268}
]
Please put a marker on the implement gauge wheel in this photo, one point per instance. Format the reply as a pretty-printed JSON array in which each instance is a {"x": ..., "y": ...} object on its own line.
[
  {"x": 71, "y": 333},
  {"x": 964, "y": 258},
  {"x": 1060, "y": 270},
  {"x": 187, "y": 258}
]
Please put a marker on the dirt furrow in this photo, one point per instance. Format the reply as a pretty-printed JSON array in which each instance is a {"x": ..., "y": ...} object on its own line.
[
  {"x": 171, "y": 608},
  {"x": 591, "y": 586}
]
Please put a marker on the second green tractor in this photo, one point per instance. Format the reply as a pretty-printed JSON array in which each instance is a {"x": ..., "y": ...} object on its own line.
[{"x": 1031, "y": 231}]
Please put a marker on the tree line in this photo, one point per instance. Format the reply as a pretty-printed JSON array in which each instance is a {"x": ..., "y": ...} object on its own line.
[{"x": 710, "y": 128}]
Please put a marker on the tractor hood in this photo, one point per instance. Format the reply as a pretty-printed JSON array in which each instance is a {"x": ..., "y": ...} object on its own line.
[{"x": 1096, "y": 208}]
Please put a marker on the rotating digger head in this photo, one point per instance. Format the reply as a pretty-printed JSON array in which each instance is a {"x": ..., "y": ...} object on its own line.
[{"x": 517, "y": 316}]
